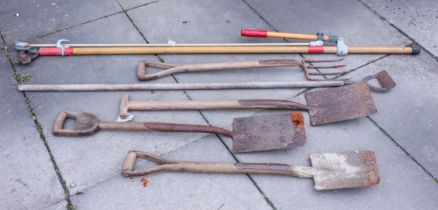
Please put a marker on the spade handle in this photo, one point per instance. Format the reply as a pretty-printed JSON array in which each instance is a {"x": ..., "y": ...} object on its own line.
[
  {"x": 126, "y": 105},
  {"x": 167, "y": 69},
  {"x": 163, "y": 127},
  {"x": 205, "y": 167}
]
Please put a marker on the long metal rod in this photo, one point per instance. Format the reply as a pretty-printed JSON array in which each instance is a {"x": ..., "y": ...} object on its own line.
[{"x": 189, "y": 86}]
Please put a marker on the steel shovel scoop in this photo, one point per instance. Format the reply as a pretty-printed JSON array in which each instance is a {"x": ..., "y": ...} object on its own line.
[
  {"x": 250, "y": 134},
  {"x": 329, "y": 170}
]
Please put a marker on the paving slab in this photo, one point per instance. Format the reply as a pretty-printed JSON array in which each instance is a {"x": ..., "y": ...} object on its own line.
[
  {"x": 28, "y": 178},
  {"x": 403, "y": 183},
  {"x": 220, "y": 24},
  {"x": 89, "y": 160},
  {"x": 408, "y": 112},
  {"x": 167, "y": 190},
  {"x": 22, "y": 20},
  {"x": 348, "y": 19},
  {"x": 415, "y": 18}
]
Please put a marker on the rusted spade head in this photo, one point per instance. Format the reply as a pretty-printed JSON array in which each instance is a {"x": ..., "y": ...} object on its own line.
[
  {"x": 344, "y": 170},
  {"x": 268, "y": 132},
  {"x": 340, "y": 104}
]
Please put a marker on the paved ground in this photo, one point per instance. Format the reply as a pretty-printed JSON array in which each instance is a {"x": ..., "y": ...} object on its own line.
[{"x": 46, "y": 172}]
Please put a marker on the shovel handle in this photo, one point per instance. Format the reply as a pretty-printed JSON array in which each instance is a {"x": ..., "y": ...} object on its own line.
[
  {"x": 163, "y": 127},
  {"x": 205, "y": 167},
  {"x": 126, "y": 105},
  {"x": 169, "y": 69}
]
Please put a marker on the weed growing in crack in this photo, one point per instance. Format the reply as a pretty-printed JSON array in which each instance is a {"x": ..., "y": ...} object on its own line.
[{"x": 21, "y": 77}]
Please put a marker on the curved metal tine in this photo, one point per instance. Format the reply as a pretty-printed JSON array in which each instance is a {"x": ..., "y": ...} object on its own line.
[{"x": 310, "y": 74}]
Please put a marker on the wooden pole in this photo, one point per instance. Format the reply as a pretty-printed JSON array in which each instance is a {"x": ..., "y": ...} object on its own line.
[{"x": 187, "y": 86}]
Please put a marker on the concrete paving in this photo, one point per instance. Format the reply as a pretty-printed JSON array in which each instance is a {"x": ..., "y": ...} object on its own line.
[
  {"x": 408, "y": 113},
  {"x": 180, "y": 190},
  {"x": 103, "y": 151},
  {"x": 33, "y": 18},
  {"x": 28, "y": 178},
  {"x": 415, "y": 18},
  {"x": 400, "y": 134}
]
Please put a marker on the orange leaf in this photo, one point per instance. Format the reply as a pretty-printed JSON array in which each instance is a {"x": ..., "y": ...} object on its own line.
[{"x": 144, "y": 181}]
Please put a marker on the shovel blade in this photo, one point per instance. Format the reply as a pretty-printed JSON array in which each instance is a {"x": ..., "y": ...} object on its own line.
[
  {"x": 340, "y": 104},
  {"x": 268, "y": 132},
  {"x": 344, "y": 170}
]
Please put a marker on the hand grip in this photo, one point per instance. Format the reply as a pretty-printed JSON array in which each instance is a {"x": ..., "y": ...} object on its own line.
[
  {"x": 131, "y": 157},
  {"x": 141, "y": 70},
  {"x": 128, "y": 164},
  {"x": 254, "y": 33},
  {"x": 86, "y": 124}
]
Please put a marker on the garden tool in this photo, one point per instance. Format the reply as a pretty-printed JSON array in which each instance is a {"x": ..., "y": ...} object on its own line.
[
  {"x": 168, "y": 69},
  {"x": 382, "y": 77},
  {"x": 28, "y": 52},
  {"x": 329, "y": 171},
  {"x": 250, "y": 134},
  {"x": 340, "y": 48},
  {"x": 324, "y": 106}
]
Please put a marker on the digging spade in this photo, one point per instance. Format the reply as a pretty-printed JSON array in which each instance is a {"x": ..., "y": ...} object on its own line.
[
  {"x": 329, "y": 170},
  {"x": 250, "y": 134}
]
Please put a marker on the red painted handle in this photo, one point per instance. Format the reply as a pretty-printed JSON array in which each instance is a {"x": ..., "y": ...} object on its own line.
[
  {"x": 55, "y": 51},
  {"x": 254, "y": 33}
]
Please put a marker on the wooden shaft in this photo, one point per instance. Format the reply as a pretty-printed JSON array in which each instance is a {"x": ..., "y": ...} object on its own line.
[
  {"x": 126, "y": 126},
  {"x": 234, "y": 50},
  {"x": 231, "y": 168},
  {"x": 293, "y": 36},
  {"x": 193, "y": 105},
  {"x": 189, "y": 50},
  {"x": 227, "y": 66},
  {"x": 163, "y": 127},
  {"x": 380, "y": 50},
  {"x": 187, "y": 86}
]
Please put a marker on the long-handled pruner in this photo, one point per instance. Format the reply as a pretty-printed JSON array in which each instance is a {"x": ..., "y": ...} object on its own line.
[
  {"x": 28, "y": 52},
  {"x": 305, "y": 64},
  {"x": 329, "y": 170},
  {"x": 317, "y": 45}
]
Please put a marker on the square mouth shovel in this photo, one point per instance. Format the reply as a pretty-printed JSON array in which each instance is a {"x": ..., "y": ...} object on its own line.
[
  {"x": 250, "y": 134},
  {"x": 329, "y": 170}
]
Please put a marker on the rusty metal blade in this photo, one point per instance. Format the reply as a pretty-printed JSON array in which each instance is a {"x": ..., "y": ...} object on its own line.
[
  {"x": 344, "y": 170},
  {"x": 340, "y": 104},
  {"x": 268, "y": 132}
]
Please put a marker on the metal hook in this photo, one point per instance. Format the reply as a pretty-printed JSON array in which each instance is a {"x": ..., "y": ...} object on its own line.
[{"x": 61, "y": 44}]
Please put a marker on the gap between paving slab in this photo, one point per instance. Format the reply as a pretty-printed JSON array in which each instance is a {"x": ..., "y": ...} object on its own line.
[
  {"x": 351, "y": 70},
  {"x": 112, "y": 69},
  {"x": 398, "y": 29},
  {"x": 184, "y": 190},
  {"x": 31, "y": 111},
  {"x": 200, "y": 112}
]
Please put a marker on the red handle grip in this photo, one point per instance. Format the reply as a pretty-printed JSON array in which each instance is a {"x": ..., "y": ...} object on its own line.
[
  {"x": 55, "y": 51},
  {"x": 254, "y": 33}
]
